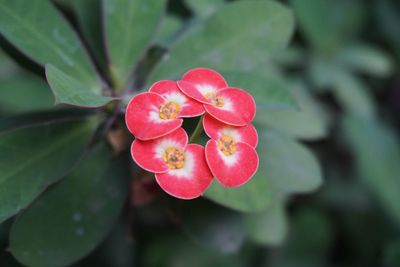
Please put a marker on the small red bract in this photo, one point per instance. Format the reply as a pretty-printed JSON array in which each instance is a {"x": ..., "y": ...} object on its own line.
[
  {"x": 244, "y": 134},
  {"x": 229, "y": 105},
  {"x": 161, "y": 146},
  {"x": 156, "y": 113},
  {"x": 180, "y": 168},
  {"x": 231, "y": 153}
]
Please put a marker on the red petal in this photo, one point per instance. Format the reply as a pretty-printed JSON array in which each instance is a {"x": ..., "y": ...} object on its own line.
[
  {"x": 190, "y": 90},
  {"x": 239, "y": 107},
  {"x": 148, "y": 154},
  {"x": 142, "y": 117},
  {"x": 215, "y": 129},
  {"x": 192, "y": 180},
  {"x": 170, "y": 91},
  {"x": 205, "y": 77},
  {"x": 197, "y": 82},
  {"x": 234, "y": 170}
]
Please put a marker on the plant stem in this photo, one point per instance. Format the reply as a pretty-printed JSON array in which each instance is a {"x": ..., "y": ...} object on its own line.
[
  {"x": 197, "y": 132},
  {"x": 115, "y": 82}
]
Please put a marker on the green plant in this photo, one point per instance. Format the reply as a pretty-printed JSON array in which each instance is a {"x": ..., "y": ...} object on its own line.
[{"x": 71, "y": 195}]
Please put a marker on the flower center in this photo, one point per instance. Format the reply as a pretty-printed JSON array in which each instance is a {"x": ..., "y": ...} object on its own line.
[
  {"x": 174, "y": 157},
  {"x": 227, "y": 145},
  {"x": 169, "y": 110},
  {"x": 215, "y": 99}
]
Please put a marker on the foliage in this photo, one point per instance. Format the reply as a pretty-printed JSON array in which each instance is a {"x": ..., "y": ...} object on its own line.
[{"x": 323, "y": 74}]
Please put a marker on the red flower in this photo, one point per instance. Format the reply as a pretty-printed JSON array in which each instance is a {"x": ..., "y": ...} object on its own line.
[
  {"x": 158, "y": 112},
  {"x": 230, "y": 105},
  {"x": 180, "y": 168},
  {"x": 231, "y": 154},
  {"x": 161, "y": 146}
]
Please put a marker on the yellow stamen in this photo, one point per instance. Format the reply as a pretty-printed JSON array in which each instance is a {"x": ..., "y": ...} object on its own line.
[
  {"x": 227, "y": 145},
  {"x": 174, "y": 157},
  {"x": 215, "y": 99},
  {"x": 169, "y": 110}
]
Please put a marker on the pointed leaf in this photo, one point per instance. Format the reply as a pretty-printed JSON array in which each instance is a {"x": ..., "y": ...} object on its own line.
[
  {"x": 11, "y": 123},
  {"x": 377, "y": 155},
  {"x": 7, "y": 66},
  {"x": 169, "y": 30},
  {"x": 308, "y": 121},
  {"x": 326, "y": 24},
  {"x": 391, "y": 254},
  {"x": 74, "y": 216},
  {"x": 309, "y": 242},
  {"x": 353, "y": 94},
  {"x": 35, "y": 156},
  {"x": 24, "y": 93},
  {"x": 130, "y": 25},
  {"x": 367, "y": 59},
  {"x": 173, "y": 249},
  {"x": 88, "y": 13},
  {"x": 264, "y": 27},
  {"x": 204, "y": 8},
  {"x": 39, "y": 31},
  {"x": 68, "y": 90},
  {"x": 253, "y": 196},
  {"x": 289, "y": 165},
  {"x": 213, "y": 227},
  {"x": 387, "y": 14},
  {"x": 270, "y": 91},
  {"x": 268, "y": 227}
]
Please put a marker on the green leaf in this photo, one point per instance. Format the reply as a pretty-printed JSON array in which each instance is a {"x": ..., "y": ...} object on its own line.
[
  {"x": 336, "y": 75},
  {"x": 88, "y": 13},
  {"x": 169, "y": 30},
  {"x": 387, "y": 13},
  {"x": 270, "y": 91},
  {"x": 204, "y": 8},
  {"x": 66, "y": 4},
  {"x": 7, "y": 260},
  {"x": 254, "y": 196},
  {"x": 175, "y": 250},
  {"x": 367, "y": 59},
  {"x": 353, "y": 94},
  {"x": 292, "y": 56},
  {"x": 68, "y": 90},
  {"x": 323, "y": 73},
  {"x": 264, "y": 27},
  {"x": 309, "y": 241},
  {"x": 309, "y": 121},
  {"x": 7, "y": 66},
  {"x": 268, "y": 227},
  {"x": 377, "y": 154},
  {"x": 328, "y": 24},
  {"x": 4, "y": 231},
  {"x": 12, "y": 123},
  {"x": 344, "y": 193},
  {"x": 130, "y": 26},
  {"x": 117, "y": 250},
  {"x": 21, "y": 91},
  {"x": 289, "y": 165},
  {"x": 214, "y": 228},
  {"x": 36, "y": 156},
  {"x": 74, "y": 216},
  {"x": 39, "y": 31},
  {"x": 391, "y": 254},
  {"x": 24, "y": 93}
]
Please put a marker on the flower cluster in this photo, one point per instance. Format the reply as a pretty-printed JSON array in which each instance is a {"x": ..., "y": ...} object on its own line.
[{"x": 161, "y": 146}]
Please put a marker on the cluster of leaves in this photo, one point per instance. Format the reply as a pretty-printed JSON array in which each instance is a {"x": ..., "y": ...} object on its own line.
[
  {"x": 65, "y": 169},
  {"x": 61, "y": 185},
  {"x": 340, "y": 54}
]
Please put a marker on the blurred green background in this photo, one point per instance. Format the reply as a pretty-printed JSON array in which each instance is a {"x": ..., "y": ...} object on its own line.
[{"x": 328, "y": 189}]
